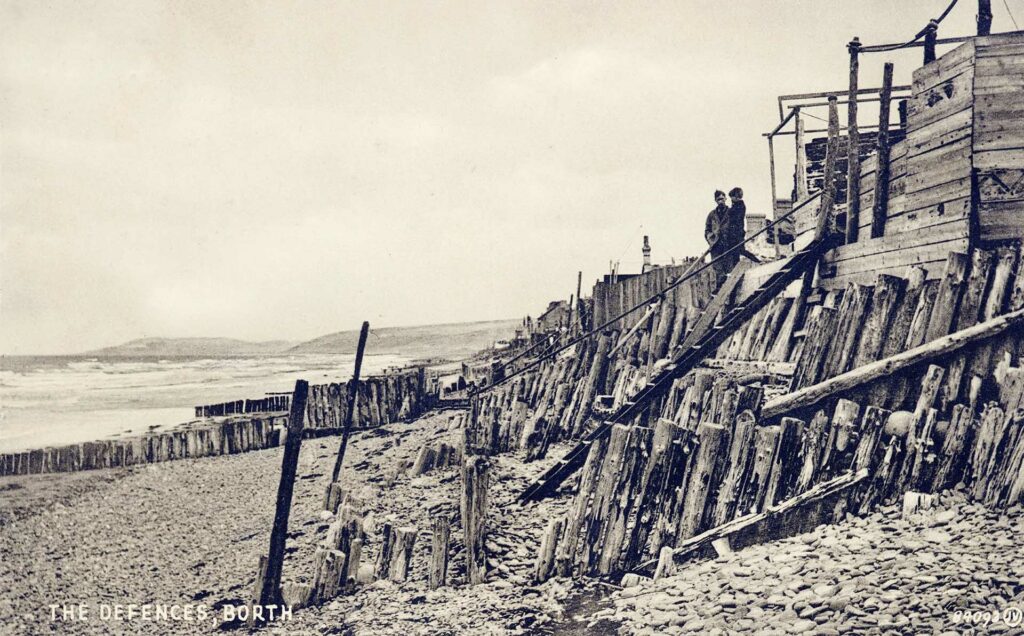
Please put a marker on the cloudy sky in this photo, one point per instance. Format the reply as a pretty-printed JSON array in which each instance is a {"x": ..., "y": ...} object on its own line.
[{"x": 288, "y": 169}]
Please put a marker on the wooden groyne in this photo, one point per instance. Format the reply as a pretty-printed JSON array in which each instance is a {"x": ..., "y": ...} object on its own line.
[
  {"x": 209, "y": 440},
  {"x": 268, "y": 404},
  {"x": 381, "y": 400}
]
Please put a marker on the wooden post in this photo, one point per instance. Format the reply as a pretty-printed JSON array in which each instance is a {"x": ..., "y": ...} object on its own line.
[
  {"x": 704, "y": 478},
  {"x": 475, "y": 477},
  {"x": 579, "y": 316},
  {"x": 439, "y": 552},
  {"x": 853, "y": 148},
  {"x": 984, "y": 17},
  {"x": 270, "y": 594},
  {"x": 666, "y": 563},
  {"x": 771, "y": 167},
  {"x": 880, "y": 208},
  {"x": 545, "y": 564},
  {"x": 828, "y": 197},
  {"x": 328, "y": 573},
  {"x": 930, "y": 36},
  {"x": 353, "y": 389},
  {"x": 801, "y": 159},
  {"x": 395, "y": 552}
]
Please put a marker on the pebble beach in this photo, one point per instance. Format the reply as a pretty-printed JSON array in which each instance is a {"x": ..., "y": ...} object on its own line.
[{"x": 190, "y": 533}]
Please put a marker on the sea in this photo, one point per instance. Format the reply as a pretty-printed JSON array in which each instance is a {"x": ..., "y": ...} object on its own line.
[{"x": 56, "y": 400}]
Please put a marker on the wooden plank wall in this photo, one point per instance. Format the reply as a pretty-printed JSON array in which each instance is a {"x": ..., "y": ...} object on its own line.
[
  {"x": 931, "y": 208},
  {"x": 999, "y": 136},
  {"x": 611, "y": 299}
]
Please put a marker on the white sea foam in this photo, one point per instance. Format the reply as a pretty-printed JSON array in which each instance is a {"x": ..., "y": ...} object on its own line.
[{"x": 54, "y": 401}]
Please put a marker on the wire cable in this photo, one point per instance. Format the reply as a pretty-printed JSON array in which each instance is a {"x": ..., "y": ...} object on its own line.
[
  {"x": 1012, "y": 19},
  {"x": 920, "y": 34}
]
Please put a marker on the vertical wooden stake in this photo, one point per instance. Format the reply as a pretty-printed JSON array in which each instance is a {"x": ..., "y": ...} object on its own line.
[
  {"x": 666, "y": 564},
  {"x": 880, "y": 208},
  {"x": 439, "y": 552},
  {"x": 853, "y": 148},
  {"x": 828, "y": 195},
  {"x": 475, "y": 477},
  {"x": 801, "y": 160},
  {"x": 984, "y": 17},
  {"x": 352, "y": 402},
  {"x": 270, "y": 594},
  {"x": 579, "y": 305},
  {"x": 930, "y": 37},
  {"x": 548, "y": 547}
]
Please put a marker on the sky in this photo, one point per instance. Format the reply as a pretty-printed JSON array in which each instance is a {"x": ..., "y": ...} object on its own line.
[{"x": 282, "y": 170}]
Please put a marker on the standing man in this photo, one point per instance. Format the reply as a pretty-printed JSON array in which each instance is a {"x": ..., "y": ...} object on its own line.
[
  {"x": 718, "y": 234},
  {"x": 738, "y": 225}
]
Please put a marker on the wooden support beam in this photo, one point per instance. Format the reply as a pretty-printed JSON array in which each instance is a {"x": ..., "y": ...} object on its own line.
[
  {"x": 579, "y": 315},
  {"x": 270, "y": 592},
  {"x": 827, "y": 202},
  {"x": 853, "y": 148},
  {"x": 353, "y": 389},
  {"x": 880, "y": 207},
  {"x": 811, "y": 395},
  {"x": 984, "y": 17},
  {"x": 930, "y": 39},
  {"x": 801, "y": 158},
  {"x": 828, "y": 197},
  {"x": 475, "y": 481},
  {"x": 395, "y": 552},
  {"x": 885, "y": 48}
]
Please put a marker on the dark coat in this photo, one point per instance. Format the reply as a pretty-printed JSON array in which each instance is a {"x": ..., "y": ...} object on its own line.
[
  {"x": 716, "y": 229},
  {"x": 737, "y": 222}
]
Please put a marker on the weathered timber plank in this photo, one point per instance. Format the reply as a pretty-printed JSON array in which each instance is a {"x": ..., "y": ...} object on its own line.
[{"x": 812, "y": 395}]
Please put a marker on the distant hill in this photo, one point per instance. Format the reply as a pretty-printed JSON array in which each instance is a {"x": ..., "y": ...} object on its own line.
[
  {"x": 452, "y": 341},
  {"x": 212, "y": 347}
]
